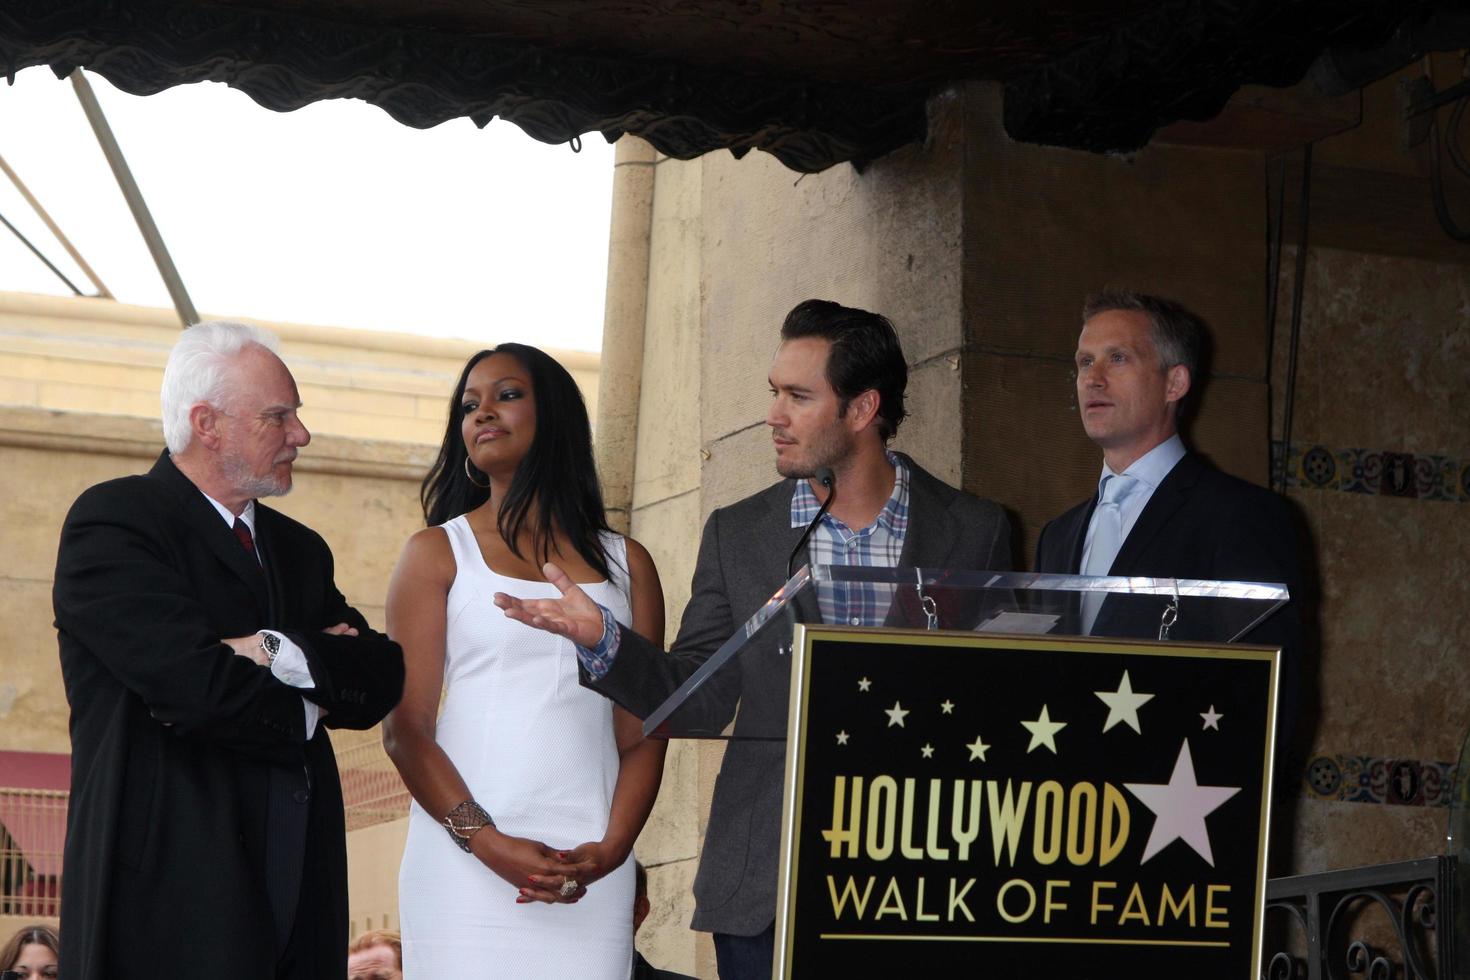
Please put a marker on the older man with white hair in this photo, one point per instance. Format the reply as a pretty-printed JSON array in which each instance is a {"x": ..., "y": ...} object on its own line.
[{"x": 205, "y": 649}]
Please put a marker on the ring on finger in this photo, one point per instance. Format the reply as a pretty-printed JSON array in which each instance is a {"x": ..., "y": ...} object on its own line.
[{"x": 568, "y": 888}]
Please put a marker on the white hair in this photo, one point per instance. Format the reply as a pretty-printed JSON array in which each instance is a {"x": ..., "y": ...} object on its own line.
[{"x": 196, "y": 372}]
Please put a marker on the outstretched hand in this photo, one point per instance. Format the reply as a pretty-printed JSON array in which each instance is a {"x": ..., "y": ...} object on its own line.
[{"x": 574, "y": 615}]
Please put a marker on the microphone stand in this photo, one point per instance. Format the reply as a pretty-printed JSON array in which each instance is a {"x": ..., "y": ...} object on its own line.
[{"x": 828, "y": 479}]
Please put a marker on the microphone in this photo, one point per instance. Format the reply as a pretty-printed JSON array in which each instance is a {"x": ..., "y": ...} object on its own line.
[{"x": 828, "y": 479}]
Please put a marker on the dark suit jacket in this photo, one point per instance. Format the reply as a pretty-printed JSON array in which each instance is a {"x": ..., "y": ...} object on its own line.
[
  {"x": 742, "y": 562},
  {"x": 644, "y": 970},
  {"x": 1203, "y": 524},
  {"x": 185, "y": 756}
]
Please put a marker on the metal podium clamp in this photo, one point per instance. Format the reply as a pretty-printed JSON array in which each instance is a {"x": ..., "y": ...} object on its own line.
[
  {"x": 927, "y": 603},
  {"x": 1171, "y": 612}
]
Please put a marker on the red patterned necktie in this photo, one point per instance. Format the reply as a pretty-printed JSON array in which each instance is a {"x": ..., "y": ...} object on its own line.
[{"x": 242, "y": 531}]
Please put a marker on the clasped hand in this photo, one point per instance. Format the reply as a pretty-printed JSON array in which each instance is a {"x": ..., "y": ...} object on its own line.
[{"x": 538, "y": 871}]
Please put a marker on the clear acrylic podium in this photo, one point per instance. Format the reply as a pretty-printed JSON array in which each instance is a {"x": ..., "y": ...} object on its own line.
[{"x": 1015, "y": 603}]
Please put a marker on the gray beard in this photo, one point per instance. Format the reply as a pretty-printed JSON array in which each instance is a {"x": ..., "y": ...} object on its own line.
[{"x": 236, "y": 473}]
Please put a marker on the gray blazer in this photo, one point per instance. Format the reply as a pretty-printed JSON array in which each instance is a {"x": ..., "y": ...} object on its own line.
[{"x": 742, "y": 562}]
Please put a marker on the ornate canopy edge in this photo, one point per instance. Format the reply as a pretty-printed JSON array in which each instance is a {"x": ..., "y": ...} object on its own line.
[{"x": 286, "y": 60}]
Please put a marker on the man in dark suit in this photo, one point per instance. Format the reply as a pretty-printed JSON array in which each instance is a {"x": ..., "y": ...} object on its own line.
[
  {"x": 205, "y": 649},
  {"x": 1160, "y": 510},
  {"x": 837, "y": 384}
]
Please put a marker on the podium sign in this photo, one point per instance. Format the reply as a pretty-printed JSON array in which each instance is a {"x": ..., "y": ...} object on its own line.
[{"x": 1029, "y": 806}]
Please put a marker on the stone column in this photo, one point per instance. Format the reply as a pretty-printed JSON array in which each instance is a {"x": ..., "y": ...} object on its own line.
[{"x": 622, "y": 326}]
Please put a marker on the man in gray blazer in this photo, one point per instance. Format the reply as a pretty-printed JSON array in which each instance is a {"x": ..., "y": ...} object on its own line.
[{"x": 837, "y": 385}]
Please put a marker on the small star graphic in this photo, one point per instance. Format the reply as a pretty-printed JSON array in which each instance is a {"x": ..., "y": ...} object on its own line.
[
  {"x": 896, "y": 715},
  {"x": 842, "y": 738},
  {"x": 864, "y": 684},
  {"x": 1043, "y": 731},
  {"x": 977, "y": 749},
  {"x": 1180, "y": 807},
  {"x": 1212, "y": 718},
  {"x": 947, "y": 707},
  {"x": 928, "y": 751},
  {"x": 1123, "y": 704}
]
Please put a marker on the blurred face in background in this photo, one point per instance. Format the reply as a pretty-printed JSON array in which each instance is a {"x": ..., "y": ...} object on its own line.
[
  {"x": 374, "y": 963},
  {"x": 35, "y": 961}
]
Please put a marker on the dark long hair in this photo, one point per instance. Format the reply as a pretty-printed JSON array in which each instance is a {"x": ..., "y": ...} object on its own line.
[{"x": 555, "y": 485}]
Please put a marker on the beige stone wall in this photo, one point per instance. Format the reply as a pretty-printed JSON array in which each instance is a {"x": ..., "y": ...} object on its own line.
[
  {"x": 1044, "y": 227},
  {"x": 97, "y": 356},
  {"x": 665, "y": 516},
  {"x": 1384, "y": 343}
]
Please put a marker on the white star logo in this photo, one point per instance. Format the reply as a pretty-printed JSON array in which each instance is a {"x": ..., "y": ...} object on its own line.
[
  {"x": 928, "y": 751},
  {"x": 977, "y": 749},
  {"x": 1212, "y": 718},
  {"x": 864, "y": 684},
  {"x": 842, "y": 738},
  {"x": 1180, "y": 808},
  {"x": 947, "y": 707},
  {"x": 896, "y": 715},
  {"x": 1043, "y": 731},
  {"x": 1123, "y": 704}
]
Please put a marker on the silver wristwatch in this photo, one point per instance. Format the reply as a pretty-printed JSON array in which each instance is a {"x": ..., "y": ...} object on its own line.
[{"x": 271, "y": 644}]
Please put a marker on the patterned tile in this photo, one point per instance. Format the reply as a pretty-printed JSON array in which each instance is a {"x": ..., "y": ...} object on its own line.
[
  {"x": 1368, "y": 779},
  {"x": 1421, "y": 476}
]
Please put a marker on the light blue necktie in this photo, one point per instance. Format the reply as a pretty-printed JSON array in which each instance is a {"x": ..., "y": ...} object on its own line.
[{"x": 1107, "y": 538}]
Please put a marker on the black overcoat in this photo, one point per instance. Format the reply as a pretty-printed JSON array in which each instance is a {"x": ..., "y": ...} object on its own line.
[{"x": 178, "y": 745}]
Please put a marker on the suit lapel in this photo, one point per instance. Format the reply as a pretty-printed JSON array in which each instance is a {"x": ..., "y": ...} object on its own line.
[
  {"x": 202, "y": 518},
  {"x": 1075, "y": 537},
  {"x": 1171, "y": 495},
  {"x": 779, "y": 529},
  {"x": 927, "y": 543},
  {"x": 265, "y": 540}
]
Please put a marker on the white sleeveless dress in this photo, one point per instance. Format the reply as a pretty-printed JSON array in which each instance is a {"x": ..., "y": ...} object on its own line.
[{"x": 538, "y": 753}]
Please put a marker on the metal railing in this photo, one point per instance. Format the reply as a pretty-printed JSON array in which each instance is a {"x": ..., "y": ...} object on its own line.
[
  {"x": 372, "y": 791},
  {"x": 1383, "y": 921},
  {"x": 32, "y": 835}
]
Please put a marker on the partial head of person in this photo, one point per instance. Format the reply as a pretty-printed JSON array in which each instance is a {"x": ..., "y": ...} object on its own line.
[
  {"x": 229, "y": 412},
  {"x": 518, "y": 435},
  {"x": 1137, "y": 359},
  {"x": 375, "y": 955},
  {"x": 837, "y": 386},
  {"x": 32, "y": 953}
]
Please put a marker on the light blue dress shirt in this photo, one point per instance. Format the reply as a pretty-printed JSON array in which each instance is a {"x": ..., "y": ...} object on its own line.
[{"x": 1149, "y": 470}]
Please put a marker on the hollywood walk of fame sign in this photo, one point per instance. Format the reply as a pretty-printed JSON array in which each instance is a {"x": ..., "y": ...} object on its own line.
[{"x": 1028, "y": 806}]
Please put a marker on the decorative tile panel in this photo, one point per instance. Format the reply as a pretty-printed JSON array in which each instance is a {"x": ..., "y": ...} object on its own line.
[
  {"x": 1368, "y": 779},
  {"x": 1388, "y": 473}
]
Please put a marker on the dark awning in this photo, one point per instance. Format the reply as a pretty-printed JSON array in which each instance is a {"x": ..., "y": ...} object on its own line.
[{"x": 813, "y": 84}]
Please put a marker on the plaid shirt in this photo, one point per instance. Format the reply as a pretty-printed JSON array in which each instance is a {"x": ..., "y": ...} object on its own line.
[
  {"x": 878, "y": 545},
  {"x": 832, "y": 543}
]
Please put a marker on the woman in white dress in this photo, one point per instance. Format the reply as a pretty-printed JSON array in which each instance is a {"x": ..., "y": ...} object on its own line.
[{"x": 528, "y": 788}]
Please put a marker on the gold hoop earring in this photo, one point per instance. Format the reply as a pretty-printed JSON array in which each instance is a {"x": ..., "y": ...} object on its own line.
[{"x": 471, "y": 477}]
